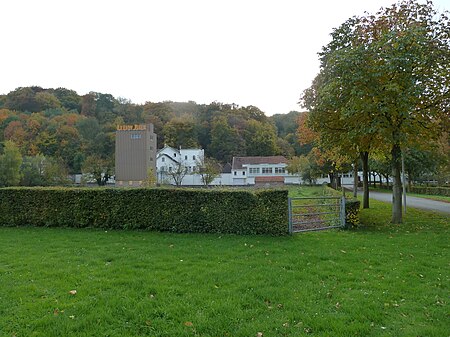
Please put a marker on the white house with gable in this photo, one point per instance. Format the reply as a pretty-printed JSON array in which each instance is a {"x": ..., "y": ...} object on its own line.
[{"x": 169, "y": 158}]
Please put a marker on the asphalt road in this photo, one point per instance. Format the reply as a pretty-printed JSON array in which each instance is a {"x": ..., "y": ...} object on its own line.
[{"x": 414, "y": 202}]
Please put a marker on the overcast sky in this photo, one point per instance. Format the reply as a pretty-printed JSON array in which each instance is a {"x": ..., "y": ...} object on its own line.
[{"x": 248, "y": 52}]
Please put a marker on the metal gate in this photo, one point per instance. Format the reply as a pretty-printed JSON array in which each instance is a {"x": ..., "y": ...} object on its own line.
[{"x": 316, "y": 213}]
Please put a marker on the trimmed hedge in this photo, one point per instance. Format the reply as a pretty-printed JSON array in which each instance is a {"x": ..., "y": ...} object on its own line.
[
  {"x": 352, "y": 213},
  {"x": 444, "y": 191},
  {"x": 174, "y": 210}
]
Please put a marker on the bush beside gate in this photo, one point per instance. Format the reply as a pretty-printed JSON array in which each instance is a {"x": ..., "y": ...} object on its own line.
[
  {"x": 352, "y": 213},
  {"x": 175, "y": 210}
]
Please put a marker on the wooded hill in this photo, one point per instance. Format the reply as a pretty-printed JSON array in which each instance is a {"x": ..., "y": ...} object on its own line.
[{"x": 61, "y": 124}]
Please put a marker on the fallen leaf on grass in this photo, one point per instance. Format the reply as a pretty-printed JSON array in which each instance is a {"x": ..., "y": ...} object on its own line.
[
  {"x": 259, "y": 334},
  {"x": 188, "y": 324},
  {"x": 73, "y": 292}
]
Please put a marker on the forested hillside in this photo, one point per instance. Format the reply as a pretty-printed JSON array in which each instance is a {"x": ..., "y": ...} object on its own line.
[{"x": 74, "y": 130}]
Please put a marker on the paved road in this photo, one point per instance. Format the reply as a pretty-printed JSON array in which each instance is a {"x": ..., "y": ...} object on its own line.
[{"x": 414, "y": 202}]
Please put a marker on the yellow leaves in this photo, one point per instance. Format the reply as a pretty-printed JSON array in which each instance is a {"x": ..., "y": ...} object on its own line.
[
  {"x": 188, "y": 324},
  {"x": 72, "y": 292},
  {"x": 305, "y": 134}
]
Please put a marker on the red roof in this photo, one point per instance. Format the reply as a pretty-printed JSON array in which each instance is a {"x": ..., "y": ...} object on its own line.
[{"x": 238, "y": 162}]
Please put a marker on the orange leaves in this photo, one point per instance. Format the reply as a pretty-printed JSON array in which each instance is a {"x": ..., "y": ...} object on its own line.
[{"x": 305, "y": 134}]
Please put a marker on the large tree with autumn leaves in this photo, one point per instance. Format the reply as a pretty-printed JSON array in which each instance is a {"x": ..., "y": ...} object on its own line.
[{"x": 384, "y": 84}]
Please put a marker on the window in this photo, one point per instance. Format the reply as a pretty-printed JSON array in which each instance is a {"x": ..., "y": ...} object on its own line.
[
  {"x": 163, "y": 159},
  {"x": 174, "y": 154},
  {"x": 266, "y": 170},
  {"x": 279, "y": 170},
  {"x": 193, "y": 157},
  {"x": 243, "y": 173},
  {"x": 194, "y": 168},
  {"x": 185, "y": 157},
  {"x": 136, "y": 136},
  {"x": 170, "y": 168},
  {"x": 235, "y": 173},
  {"x": 254, "y": 170}
]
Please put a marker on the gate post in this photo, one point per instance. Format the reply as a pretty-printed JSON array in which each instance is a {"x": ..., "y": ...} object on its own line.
[
  {"x": 343, "y": 211},
  {"x": 290, "y": 215}
]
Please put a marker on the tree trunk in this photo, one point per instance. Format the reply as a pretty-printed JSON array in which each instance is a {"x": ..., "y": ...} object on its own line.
[
  {"x": 396, "y": 153},
  {"x": 365, "y": 166},
  {"x": 410, "y": 178},
  {"x": 355, "y": 179},
  {"x": 332, "y": 179}
]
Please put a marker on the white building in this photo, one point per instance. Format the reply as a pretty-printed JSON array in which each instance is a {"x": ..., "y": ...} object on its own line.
[
  {"x": 245, "y": 171},
  {"x": 259, "y": 170},
  {"x": 169, "y": 158}
]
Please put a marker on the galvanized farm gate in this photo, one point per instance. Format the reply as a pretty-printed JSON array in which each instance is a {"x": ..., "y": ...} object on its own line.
[{"x": 316, "y": 213}]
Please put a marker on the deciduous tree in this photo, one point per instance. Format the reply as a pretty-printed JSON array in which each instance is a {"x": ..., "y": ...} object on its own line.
[
  {"x": 387, "y": 75},
  {"x": 10, "y": 162},
  {"x": 209, "y": 169}
]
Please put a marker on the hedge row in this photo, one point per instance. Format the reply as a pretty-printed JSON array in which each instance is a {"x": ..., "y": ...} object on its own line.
[
  {"x": 444, "y": 191},
  {"x": 175, "y": 210}
]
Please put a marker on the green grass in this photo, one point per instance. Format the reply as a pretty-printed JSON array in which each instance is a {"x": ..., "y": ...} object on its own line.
[
  {"x": 380, "y": 280},
  {"x": 432, "y": 197},
  {"x": 312, "y": 191}
]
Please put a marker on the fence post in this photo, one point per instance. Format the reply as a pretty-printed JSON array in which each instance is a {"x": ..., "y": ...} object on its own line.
[
  {"x": 290, "y": 215},
  {"x": 342, "y": 211}
]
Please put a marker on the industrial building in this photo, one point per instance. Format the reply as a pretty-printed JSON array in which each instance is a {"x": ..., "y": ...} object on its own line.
[{"x": 135, "y": 154}]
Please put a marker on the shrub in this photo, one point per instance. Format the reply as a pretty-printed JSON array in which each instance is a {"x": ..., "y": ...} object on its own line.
[
  {"x": 175, "y": 210},
  {"x": 352, "y": 213},
  {"x": 443, "y": 191}
]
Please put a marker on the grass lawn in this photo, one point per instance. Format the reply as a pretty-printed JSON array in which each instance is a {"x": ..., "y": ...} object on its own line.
[
  {"x": 379, "y": 280},
  {"x": 432, "y": 197}
]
